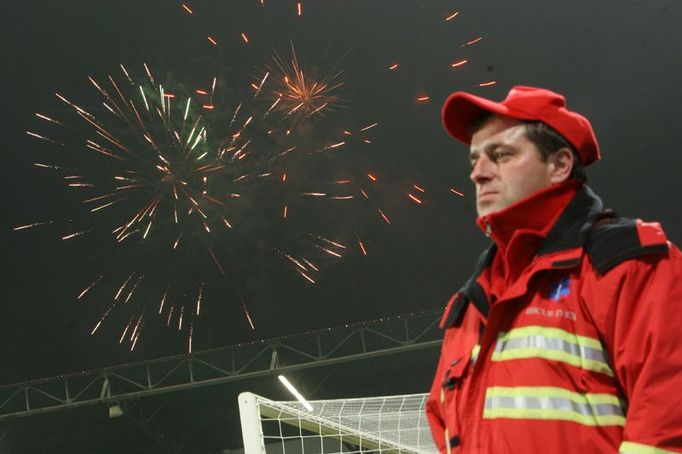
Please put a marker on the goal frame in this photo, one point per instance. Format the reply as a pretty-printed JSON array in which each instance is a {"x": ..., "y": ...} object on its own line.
[{"x": 252, "y": 408}]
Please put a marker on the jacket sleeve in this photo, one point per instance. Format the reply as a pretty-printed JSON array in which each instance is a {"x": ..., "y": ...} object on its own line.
[
  {"x": 433, "y": 409},
  {"x": 643, "y": 332}
]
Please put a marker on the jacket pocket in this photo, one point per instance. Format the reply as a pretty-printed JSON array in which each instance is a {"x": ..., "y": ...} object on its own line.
[{"x": 451, "y": 390}]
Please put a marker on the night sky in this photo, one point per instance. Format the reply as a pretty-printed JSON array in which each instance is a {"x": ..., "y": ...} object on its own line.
[{"x": 617, "y": 61}]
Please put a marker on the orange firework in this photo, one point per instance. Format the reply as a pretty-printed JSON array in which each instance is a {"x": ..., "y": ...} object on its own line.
[
  {"x": 301, "y": 93},
  {"x": 187, "y": 8},
  {"x": 452, "y": 16},
  {"x": 472, "y": 42}
]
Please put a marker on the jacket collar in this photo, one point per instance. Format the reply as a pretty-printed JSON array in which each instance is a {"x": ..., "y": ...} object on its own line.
[
  {"x": 571, "y": 229},
  {"x": 534, "y": 215},
  {"x": 568, "y": 233}
]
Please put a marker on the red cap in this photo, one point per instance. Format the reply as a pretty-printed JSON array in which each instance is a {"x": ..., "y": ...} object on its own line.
[{"x": 461, "y": 110}]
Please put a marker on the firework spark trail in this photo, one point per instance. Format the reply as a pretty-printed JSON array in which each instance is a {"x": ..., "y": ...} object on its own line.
[
  {"x": 138, "y": 325},
  {"x": 191, "y": 334},
  {"x": 74, "y": 235},
  {"x": 383, "y": 216},
  {"x": 47, "y": 166},
  {"x": 414, "y": 198},
  {"x": 333, "y": 243},
  {"x": 46, "y": 139},
  {"x": 182, "y": 315},
  {"x": 452, "y": 16},
  {"x": 89, "y": 287},
  {"x": 362, "y": 246},
  {"x": 201, "y": 290},
  {"x": 294, "y": 261},
  {"x": 163, "y": 299},
  {"x": 132, "y": 347},
  {"x": 170, "y": 316},
  {"x": 99, "y": 323},
  {"x": 329, "y": 251},
  {"x": 33, "y": 225},
  {"x": 248, "y": 317},
  {"x": 134, "y": 287},
  {"x": 49, "y": 119},
  {"x": 367, "y": 128},
  {"x": 125, "y": 330},
  {"x": 123, "y": 285},
  {"x": 472, "y": 42},
  {"x": 310, "y": 264},
  {"x": 305, "y": 276}
]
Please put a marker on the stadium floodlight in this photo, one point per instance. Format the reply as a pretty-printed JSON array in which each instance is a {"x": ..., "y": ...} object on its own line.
[
  {"x": 295, "y": 393},
  {"x": 115, "y": 411}
]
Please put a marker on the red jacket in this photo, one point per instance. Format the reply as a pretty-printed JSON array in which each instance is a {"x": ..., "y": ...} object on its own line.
[{"x": 567, "y": 338}]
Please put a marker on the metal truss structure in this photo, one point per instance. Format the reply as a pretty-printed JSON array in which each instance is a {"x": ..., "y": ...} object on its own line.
[{"x": 124, "y": 384}]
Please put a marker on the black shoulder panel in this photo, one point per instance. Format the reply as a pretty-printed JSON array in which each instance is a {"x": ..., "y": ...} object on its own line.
[
  {"x": 454, "y": 316},
  {"x": 618, "y": 240},
  {"x": 471, "y": 292}
]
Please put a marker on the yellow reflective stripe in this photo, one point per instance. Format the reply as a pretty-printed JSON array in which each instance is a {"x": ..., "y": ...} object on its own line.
[
  {"x": 447, "y": 441},
  {"x": 546, "y": 391},
  {"x": 474, "y": 353},
  {"x": 536, "y": 352},
  {"x": 628, "y": 447},
  {"x": 517, "y": 413},
  {"x": 554, "y": 344},
  {"x": 552, "y": 332},
  {"x": 529, "y": 402}
]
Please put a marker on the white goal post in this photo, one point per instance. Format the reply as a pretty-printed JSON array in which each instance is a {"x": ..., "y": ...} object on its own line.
[{"x": 390, "y": 424}]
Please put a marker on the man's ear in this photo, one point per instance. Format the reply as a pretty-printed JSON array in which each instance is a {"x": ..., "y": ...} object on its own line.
[{"x": 561, "y": 165}]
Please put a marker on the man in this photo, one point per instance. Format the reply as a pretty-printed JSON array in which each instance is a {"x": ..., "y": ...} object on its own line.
[{"x": 567, "y": 337}]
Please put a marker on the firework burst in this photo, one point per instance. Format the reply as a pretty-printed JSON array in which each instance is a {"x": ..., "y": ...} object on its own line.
[
  {"x": 301, "y": 94},
  {"x": 172, "y": 175}
]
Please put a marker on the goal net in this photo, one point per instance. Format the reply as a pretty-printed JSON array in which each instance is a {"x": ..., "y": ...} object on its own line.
[{"x": 392, "y": 424}]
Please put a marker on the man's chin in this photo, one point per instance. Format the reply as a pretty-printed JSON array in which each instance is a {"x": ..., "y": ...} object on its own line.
[{"x": 487, "y": 209}]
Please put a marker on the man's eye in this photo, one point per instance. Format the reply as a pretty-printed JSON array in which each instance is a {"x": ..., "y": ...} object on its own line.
[{"x": 500, "y": 155}]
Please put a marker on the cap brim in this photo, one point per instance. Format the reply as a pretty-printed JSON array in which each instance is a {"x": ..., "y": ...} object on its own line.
[{"x": 462, "y": 110}]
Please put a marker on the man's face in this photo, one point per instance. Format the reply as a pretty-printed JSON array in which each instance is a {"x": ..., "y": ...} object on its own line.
[{"x": 506, "y": 165}]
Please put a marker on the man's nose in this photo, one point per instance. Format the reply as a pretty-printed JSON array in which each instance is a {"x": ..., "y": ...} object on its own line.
[{"x": 482, "y": 170}]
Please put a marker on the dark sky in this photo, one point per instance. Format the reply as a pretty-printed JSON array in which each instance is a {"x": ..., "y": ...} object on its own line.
[{"x": 617, "y": 61}]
